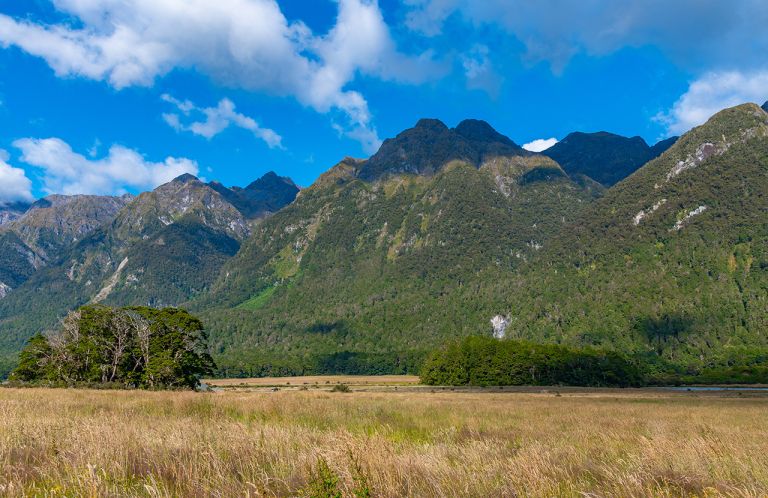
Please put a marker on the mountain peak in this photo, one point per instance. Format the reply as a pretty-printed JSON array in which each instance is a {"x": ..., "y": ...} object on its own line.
[
  {"x": 480, "y": 131},
  {"x": 431, "y": 124},
  {"x": 603, "y": 156},
  {"x": 270, "y": 179},
  {"x": 428, "y": 146},
  {"x": 186, "y": 178}
]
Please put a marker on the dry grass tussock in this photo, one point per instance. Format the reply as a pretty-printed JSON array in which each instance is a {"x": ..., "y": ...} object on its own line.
[{"x": 119, "y": 443}]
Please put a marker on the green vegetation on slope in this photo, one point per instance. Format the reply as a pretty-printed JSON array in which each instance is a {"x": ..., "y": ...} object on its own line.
[
  {"x": 383, "y": 269},
  {"x": 671, "y": 263},
  {"x": 162, "y": 249}
]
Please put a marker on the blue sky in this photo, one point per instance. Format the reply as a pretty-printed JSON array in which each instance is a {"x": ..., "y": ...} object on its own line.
[{"x": 113, "y": 96}]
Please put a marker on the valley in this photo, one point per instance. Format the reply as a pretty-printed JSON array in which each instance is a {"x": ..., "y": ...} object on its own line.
[
  {"x": 551, "y": 442},
  {"x": 444, "y": 233}
]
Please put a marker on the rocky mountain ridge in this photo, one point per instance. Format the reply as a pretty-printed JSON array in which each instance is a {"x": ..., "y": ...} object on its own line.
[{"x": 604, "y": 157}]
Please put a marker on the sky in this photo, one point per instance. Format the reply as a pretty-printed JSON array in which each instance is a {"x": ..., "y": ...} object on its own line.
[{"x": 114, "y": 96}]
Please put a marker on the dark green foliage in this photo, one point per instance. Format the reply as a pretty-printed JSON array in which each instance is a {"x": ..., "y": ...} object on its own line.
[
  {"x": 354, "y": 274},
  {"x": 603, "y": 156},
  {"x": 32, "y": 365},
  {"x": 695, "y": 295},
  {"x": 258, "y": 363},
  {"x": 128, "y": 347},
  {"x": 323, "y": 482},
  {"x": 484, "y": 361}
]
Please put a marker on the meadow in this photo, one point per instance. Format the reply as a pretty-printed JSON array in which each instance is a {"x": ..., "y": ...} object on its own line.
[{"x": 315, "y": 442}]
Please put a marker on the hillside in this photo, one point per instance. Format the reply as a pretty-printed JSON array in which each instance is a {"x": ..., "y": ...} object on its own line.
[
  {"x": 604, "y": 157},
  {"x": 12, "y": 211},
  {"x": 161, "y": 249},
  {"x": 376, "y": 262},
  {"x": 41, "y": 233},
  {"x": 672, "y": 261}
]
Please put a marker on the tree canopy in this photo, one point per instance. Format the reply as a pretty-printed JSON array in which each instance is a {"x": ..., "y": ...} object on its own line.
[{"x": 128, "y": 347}]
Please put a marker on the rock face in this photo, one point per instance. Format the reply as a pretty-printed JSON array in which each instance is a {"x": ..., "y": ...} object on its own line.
[
  {"x": 12, "y": 211},
  {"x": 604, "y": 157},
  {"x": 430, "y": 145},
  {"x": 54, "y": 222},
  {"x": 46, "y": 229}
]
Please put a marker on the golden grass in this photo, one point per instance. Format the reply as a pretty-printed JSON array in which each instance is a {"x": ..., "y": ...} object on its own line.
[
  {"x": 319, "y": 380},
  {"x": 235, "y": 443}
]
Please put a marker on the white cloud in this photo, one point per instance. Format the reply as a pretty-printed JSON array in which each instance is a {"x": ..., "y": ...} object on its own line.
[
  {"x": 694, "y": 33},
  {"x": 14, "y": 184},
  {"x": 712, "y": 93},
  {"x": 479, "y": 71},
  {"x": 241, "y": 43},
  {"x": 540, "y": 144},
  {"x": 67, "y": 172},
  {"x": 217, "y": 119}
]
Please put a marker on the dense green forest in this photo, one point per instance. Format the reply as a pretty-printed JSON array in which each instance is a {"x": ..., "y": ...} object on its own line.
[
  {"x": 126, "y": 347},
  {"x": 671, "y": 263},
  {"x": 385, "y": 268},
  {"x": 485, "y": 361}
]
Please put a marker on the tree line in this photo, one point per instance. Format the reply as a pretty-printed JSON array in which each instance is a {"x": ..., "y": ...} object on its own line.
[{"x": 485, "y": 361}]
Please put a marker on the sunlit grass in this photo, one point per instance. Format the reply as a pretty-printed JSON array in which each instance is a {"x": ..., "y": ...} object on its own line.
[{"x": 617, "y": 443}]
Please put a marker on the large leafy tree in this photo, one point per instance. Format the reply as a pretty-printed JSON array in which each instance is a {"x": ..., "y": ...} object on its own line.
[{"x": 137, "y": 347}]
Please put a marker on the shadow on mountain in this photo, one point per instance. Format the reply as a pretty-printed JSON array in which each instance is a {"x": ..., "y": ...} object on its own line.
[
  {"x": 324, "y": 328},
  {"x": 665, "y": 328}
]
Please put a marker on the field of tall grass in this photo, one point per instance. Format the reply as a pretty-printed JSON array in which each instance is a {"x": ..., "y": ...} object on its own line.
[{"x": 59, "y": 442}]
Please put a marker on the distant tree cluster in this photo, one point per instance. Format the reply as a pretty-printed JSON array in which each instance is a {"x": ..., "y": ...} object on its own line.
[
  {"x": 128, "y": 347},
  {"x": 484, "y": 361}
]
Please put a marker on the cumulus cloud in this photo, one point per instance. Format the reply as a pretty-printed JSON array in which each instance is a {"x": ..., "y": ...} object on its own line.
[
  {"x": 712, "y": 93},
  {"x": 67, "y": 172},
  {"x": 241, "y": 43},
  {"x": 694, "y": 33},
  {"x": 217, "y": 119},
  {"x": 14, "y": 184},
  {"x": 540, "y": 144}
]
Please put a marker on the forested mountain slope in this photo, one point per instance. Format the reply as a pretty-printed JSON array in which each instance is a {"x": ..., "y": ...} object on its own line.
[
  {"x": 162, "y": 249},
  {"x": 390, "y": 258},
  {"x": 672, "y": 261}
]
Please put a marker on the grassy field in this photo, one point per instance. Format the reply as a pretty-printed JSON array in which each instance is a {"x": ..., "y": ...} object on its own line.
[
  {"x": 318, "y": 380},
  {"x": 286, "y": 443}
]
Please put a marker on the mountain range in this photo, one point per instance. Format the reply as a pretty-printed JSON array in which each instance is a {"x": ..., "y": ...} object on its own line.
[
  {"x": 603, "y": 156},
  {"x": 657, "y": 251},
  {"x": 160, "y": 248}
]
